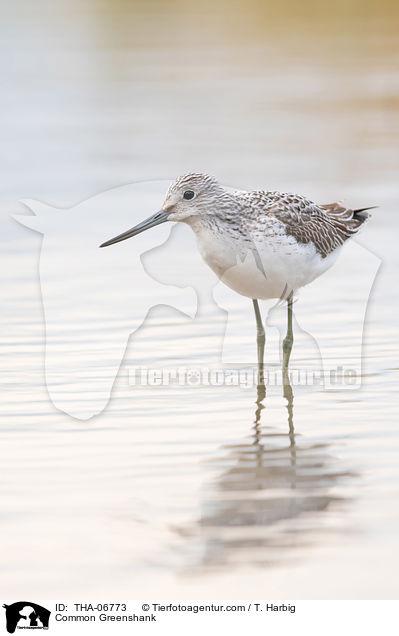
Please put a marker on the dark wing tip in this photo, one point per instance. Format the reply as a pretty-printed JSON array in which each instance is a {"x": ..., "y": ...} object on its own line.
[
  {"x": 359, "y": 210},
  {"x": 360, "y": 215}
]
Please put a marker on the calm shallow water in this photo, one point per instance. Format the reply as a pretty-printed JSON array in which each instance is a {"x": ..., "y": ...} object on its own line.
[{"x": 193, "y": 491}]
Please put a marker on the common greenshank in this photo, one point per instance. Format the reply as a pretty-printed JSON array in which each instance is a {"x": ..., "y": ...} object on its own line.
[{"x": 261, "y": 244}]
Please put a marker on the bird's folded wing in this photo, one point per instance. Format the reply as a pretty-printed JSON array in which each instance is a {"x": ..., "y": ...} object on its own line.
[{"x": 327, "y": 227}]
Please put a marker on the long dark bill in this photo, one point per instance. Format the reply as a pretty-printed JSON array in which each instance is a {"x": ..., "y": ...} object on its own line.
[{"x": 152, "y": 221}]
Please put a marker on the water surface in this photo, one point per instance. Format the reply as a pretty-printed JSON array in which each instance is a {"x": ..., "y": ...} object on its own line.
[{"x": 179, "y": 491}]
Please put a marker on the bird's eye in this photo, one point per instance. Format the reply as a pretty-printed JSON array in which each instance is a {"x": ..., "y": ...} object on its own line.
[{"x": 189, "y": 194}]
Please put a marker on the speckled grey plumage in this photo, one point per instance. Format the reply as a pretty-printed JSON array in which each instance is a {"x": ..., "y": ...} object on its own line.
[{"x": 327, "y": 227}]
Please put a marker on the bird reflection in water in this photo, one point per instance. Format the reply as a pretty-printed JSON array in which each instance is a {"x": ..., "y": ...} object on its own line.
[{"x": 271, "y": 492}]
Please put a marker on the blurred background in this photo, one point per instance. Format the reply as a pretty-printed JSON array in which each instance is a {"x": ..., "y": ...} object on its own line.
[
  {"x": 97, "y": 94},
  {"x": 195, "y": 497}
]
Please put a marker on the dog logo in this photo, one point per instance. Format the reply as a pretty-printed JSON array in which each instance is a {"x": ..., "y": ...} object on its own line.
[{"x": 26, "y": 615}]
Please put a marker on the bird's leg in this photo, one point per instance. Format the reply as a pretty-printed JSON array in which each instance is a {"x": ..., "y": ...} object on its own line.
[
  {"x": 288, "y": 393},
  {"x": 260, "y": 341},
  {"x": 289, "y": 338},
  {"x": 289, "y": 396}
]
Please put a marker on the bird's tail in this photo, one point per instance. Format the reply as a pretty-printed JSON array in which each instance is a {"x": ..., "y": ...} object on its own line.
[{"x": 361, "y": 214}]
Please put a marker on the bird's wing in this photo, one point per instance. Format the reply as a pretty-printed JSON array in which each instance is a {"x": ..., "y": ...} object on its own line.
[{"x": 326, "y": 226}]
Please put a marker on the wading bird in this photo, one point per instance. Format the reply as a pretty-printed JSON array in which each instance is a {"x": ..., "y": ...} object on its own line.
[{"x": 261, "y": 244}]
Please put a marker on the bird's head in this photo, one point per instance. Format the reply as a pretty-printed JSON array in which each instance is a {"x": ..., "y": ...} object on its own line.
[{"x": 189, "y": 196}]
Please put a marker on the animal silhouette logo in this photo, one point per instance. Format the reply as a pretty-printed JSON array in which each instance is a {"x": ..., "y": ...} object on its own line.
[
  {"x": 26, "y": 615},
  {"x": 96, "y": 302}
]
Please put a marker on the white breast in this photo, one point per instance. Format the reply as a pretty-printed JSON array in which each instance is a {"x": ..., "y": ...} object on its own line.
[{"x": 238, "y": 261}]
